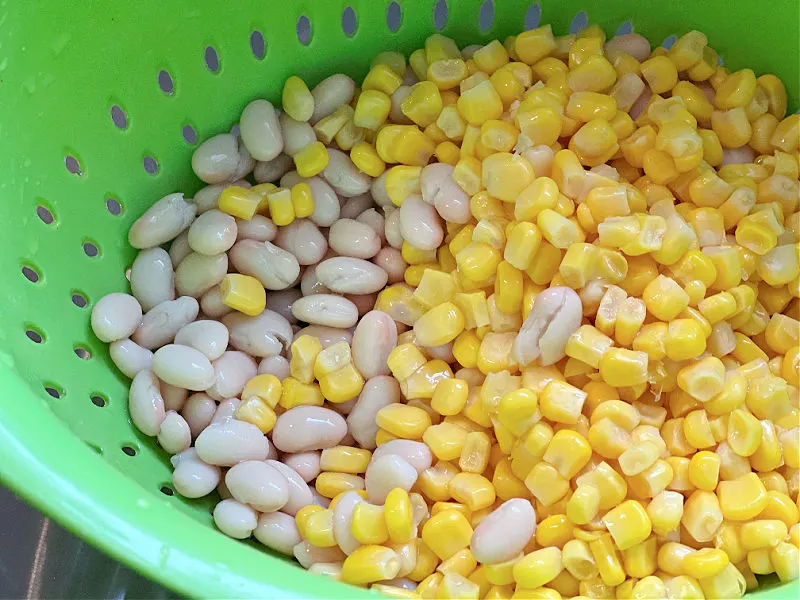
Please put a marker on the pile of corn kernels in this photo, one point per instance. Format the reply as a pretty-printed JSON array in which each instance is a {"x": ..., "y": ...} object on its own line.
[{"x": 513, "y": 321}]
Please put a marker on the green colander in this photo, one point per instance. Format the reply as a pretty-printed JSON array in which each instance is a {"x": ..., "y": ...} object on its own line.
[{"x": 101, "y": 106}]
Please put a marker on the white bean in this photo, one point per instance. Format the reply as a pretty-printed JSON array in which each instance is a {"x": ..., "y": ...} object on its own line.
[
  {"x": 277, "y": 531},
  {"x": 378, "y": 392},
  {"x": 272, "y": 170},
  {"x": 344, "y": 176},
  {"x": 281, "y": 302},
  {"x": 198, "y": 273},
  {"x": 258, "y": 484},
  {"x": 209, "y": 337},
  {"x": 145, "y": 404},
  {"x": 394, "y": 235},
  {"x": 503, "y": 533},
  {"x": 396, "y": 114},
  {"x": 274, "y": 365},
  {"x": 308, "y": 555},
  {"x": 208, "y": 197},
  {"x": 179, "y": 248},
  {"x": 174, "y": 434},
  {"x": 420, "y": 225},
  {"x": 354, "y": 206},
  {"x": 198, "y": 411},
  {"x": 328, "y": 336},
  {"x": 348, "y": 237},
  {"x": 556, "y": 315},
  {"x": 305, "y": 428},
  {"x": 212, "y": 233},
  {"x": 115, "y": 317},
  {"x": 641, "y": 103},
  {"x": 162, "y": 222},
  {"x": 304, "y": 240},
  {"x": 192, "y": 477},
  {"x": 626, "y": 92},
  {"x": 174, "y": 397},
  {"x": 231, "y": 441},
  {"x": 310, "y": 285},
  {"x": 305, "y": 463},
  {"x": 130, "y": 357},
  {"x": 344, "y": 409},
  {"x": 260, "y": 130},
  {"x": 217, "y": 159},
  {"x": 374, "y": 338},
  {"x": 152, "y": 278},
  {"x": 275, "y": 268},
  {"x": 738, "y": 156},
  {"x": 212, "y": 305},
  {"x": 319, "y": 499},
  {"x": 326, "y": 202},
  {"x": 235, "y": 519},
  {"x": 443, "y": 352},
  {"x": 184, "y": 367},
  {"x": 342, "y": 518},
  {"x": 346, "y": 275},
  {"x": 226, "y": 409},
  {"x": 299, "y": 493},
  {"x": 541, "y": 158},
  {"x": 232, "y": 371},
  {"x": 296, "y": 134},
  {"x": 440, "y": 190},
  {"x": 326, "y": 309},
  {"x": 374, "y": 219},
  {"x": 386, "y": 473},
  {"x": 265, "y": 334},
  {"x": 331, "y": 93},
  {"x": 630, "y": 43},
  {"x": 378, "y": 190},
  {"x": 417, "y": 454},
  {"x": 259, "y": 228},
  {"x": 223, "y": 491},
  {"x": 364, "y": 302},
  {"x": 391, "y": 260}
]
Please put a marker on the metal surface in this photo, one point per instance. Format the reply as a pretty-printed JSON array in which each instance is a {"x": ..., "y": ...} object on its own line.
[{"x": 41, "y": 560}]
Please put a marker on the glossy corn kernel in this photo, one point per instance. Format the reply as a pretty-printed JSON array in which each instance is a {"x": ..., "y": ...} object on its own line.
[
  {"x": 505, "y": 175},
  {"x": 311, "y": 160},
  {"x": 296, "y": 393},
  {"x": 475, "y": 452},
  {"x": 621, "y": 367},
  {"x": 369, "y": 564},
  {"x": 403, "y": 421},
  {"x": 546, "y": 484},
  {"x": 538, "y": 568},
  {"x": 368, "y": 524},
  {"x": 345, "y": 459},
  {"x": 239, "y": 202},
  {"x": 445, "y": 440},
  {"x": 446, "y": 533},
  {"x": 243, "y": 293},
  {"x": 607, "y": 560},
  {"x": 478, "y": 261},
  {"x": 742, "y": 498},
  {"x": 256, "y": 411}
]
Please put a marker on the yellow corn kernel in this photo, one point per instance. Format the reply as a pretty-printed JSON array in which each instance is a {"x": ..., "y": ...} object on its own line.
[
  {"x": 628, "y": 524},
  {"x": 639, "y": 457},
  {"x": 568, "y": 452},
  {"x": 523, "y": 245},
  {"x": 664, "y": 298},
  {"x": 256, "y": 411},
  {"x": 561, "y": 402},
  {"x": 369, "y": 564},
  {"x": 594, "y": 143},
  {"x": 620, "y": 367},
  {"x": 702, "y": 515},
  {"x": 762, "y": 533},
  {"x": 588, "y": 345},
  {"x": 660, "y": 73},
  {"x": 368, "y": 524},
  {"x": 404, "y": 360},
  {"x": 583, "y": 504},
  {"x": 685, "y": 339},
  {"x": 305, "y": 350},
  {"x": 403, "y": 421},
  {"x": 397, "y": 511},
  {"x": 297, "y": 100},
  {"x": 475, "y": 452},
  {"x": 538, "y": 568},
  {"x": 302, "y": 200},
  {"x": 446, "y": 533},
  {"x": 478, "y": 261},
  {"x": 450, "y": 396},
  {"x": 480, "y": 104},
  {"x": 546, "y": 484},
  {"x": 505, "y": 175},
  {"x": 462, "y": 563},
  {"x": 517, "y": 411},
  {"x": 687, "y": 50},
  {"x": 578, "y": 560},
  {"x": 742, "y": 498},
  {"x": 447, "y": 152},
  {"x": 665, "y": 511},
  {"x": 704, "y": 470},
  {"x": 445, "y": 440},
  {"x": 296, "y": 393},
  {"x": 424, "y": 104},
  {"x": 366, "y": 158},
  {"x": 345, "y": 459},
  {"x": 607, "y": 560},
  {"x": 439, "y": 325},
  {"x": 239, "y": 202},
  {"x": 472, "y": 490},
  {"x": 558, "y": 230},
  {"x": 311, "y": 160},
  {"x": 243, "y": 293}
]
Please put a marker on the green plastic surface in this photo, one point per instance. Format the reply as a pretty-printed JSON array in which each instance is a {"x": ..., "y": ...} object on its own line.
[{"x": 65, "y": 69}]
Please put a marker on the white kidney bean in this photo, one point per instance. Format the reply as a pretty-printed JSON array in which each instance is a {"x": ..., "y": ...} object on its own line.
[
  {"x": 258, "y": 484},
  {"x": 296, "y": 134},
  {"x": 259, "y": 228},
  {"x": 304, "y": 240},
  {"x": 162, "y": 222},
  {"x": 308, "y": 555},
  {"x": 212, "y": 233},
  {"x": 396, "y": 114},
  {"x": 342, "y": 517},
  {"x": 626, "y": 91},
  {"x": 277, "y": 531},
  {"x": 401, "y": 581},
  {"x": 328, "y": 336},
  {"x": 556, "y": 315},
  {"x": 374, "y": 218},
  {"x": 378, "y": 392},
  {"x": 364, "y": 302},
  {"x": 738, "y": 156},
  {"x": 274, "y": 267},
  {"x": 226, "y": 409},
  {"x": 641, "y": 103},
  {"x": 265, "y": 334},
  {"x": 305, "y": 463},
  {"x": 344, "y": 176},
  {"x": 392, "y": 231},
  {"x": 217, "y": 159},
  {"x": 209, "y": 337},
  {"x": 115, "y": 317},
  {"x": 374, "y": 338},
  {"x": 344, "y": 409},
  {"x": 223, "y": 491},
  {"x": 272, "y": 170},
  {"x": 541, "y": 158},
  {"x": 326, "y": 309},
  {"x": 260, "y": 130},
  {"x": 184, "y": 367},
  {"x": 386, "y": 473},
  {"x": 130, "y": 357},
  {"x": 417, "y": 454},
  {"x": 378, "y": 191},
  {"x": 503, "y": 533},
  {"x": 232, "y": 371},
  {"x": 630, "y": 43},
  {"x": 305, "y": 428},
  {"x": 443, "y": 352},
  {"x": 420, "y": 225},
  {"x": 244, "y": 166},
  {"x": 348, "y": 237},
  {"x": 331, "y": 93},
  {"x": 326, "y": 202},
  {"x": 440, "y": 190},
  {"x": 326, "y": 569},
  {"x": 198, "y": 273},
  {"x": 212, "y": 305},
  {"x": 274, "y": 365},
  {"x": 198, "y": 411},
  {"x": 152, "y": 278},
  {"x": 319, "y": 499},
  {"x": 179, "y": 249},
  {"x": 174, "y": 397},
  {"x": 352, "y": 207},
  {"x": 208, "y": 197},
  {"x": 281, "y": 302},
  {"x": 192, "y": 477},
  {"x": 346, "y": 275},
  {"x": 391, "y": 260},
  {"x": 231, "y": 441},
  {"x": 145, "y": 404},
  {"x": 174, "y": 434},
  {"x": 310, "y": 285},
  {"x": 299, "y": 493},
  {"x": 235, "y": 519}
]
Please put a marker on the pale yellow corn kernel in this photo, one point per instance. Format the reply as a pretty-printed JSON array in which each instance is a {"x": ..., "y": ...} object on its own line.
[
  {"x": 311, "y": 160},
  {"x": 369, "y": 564},
  {"x": 475, "y": 453},
  {"x": 561, "y": 402},
  {"x": 243, "y": 293},
  {"x": 568, "y": 452},
  {"x": 239, "y": 202},
  {"x": 403, "y": 421},
  {"x": 445, "y": 440},
  {"x": 368, "y": 524},
  {"x": 424, "y": 104},
  {"x": 305, "y": 350},
  {"x": 546, "y": 484},
  {"x": 366, "y": 158},
  {"x": 296, "y": 393},
  {"x": 480, "y": 104},
  {"x": 660, "y": 73},
  {"x": 297, "y": 100},
  {"x": 330, "y": 484},
  {"x": 345, "y": 459},
  {"x": 446, "y": 533}
]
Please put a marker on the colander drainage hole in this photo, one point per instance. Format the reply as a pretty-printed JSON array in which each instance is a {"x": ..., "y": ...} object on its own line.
[
  {"x": 150, "y": 165},
  {"x": 257, "y": 44},
  {"x": 99, "y": 401},
  {"x": 52, "y": 391},
  {"x": 129, "y": 450},
  {"x": 82, "y": 353},
  {"x": 44, "y": 214},
  {"x": 394, "y": 16},
  {"x": 167, "y": 491},
  {"x": 349, "y": 21},
  {"x": 30, "y": 274},
  {"x": 114, "y": 206},
  {"x": 212, "y": 59},
  {"x": 118, "y": 117},
  {"x": 303, "y": 29},
  {"x": 79, "y": 300},
  {"x": 73, "y": 166},
  {"x": 440, "y": 14},
  {"x": 90, "y": 250},
  {"x": 533, "y": 15},
  {"x": 189, "y": 134},
  {"x": 165, "y": 82},
  {"x": 486, "y": 15},
  {"x": 34, "y": 336}
]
